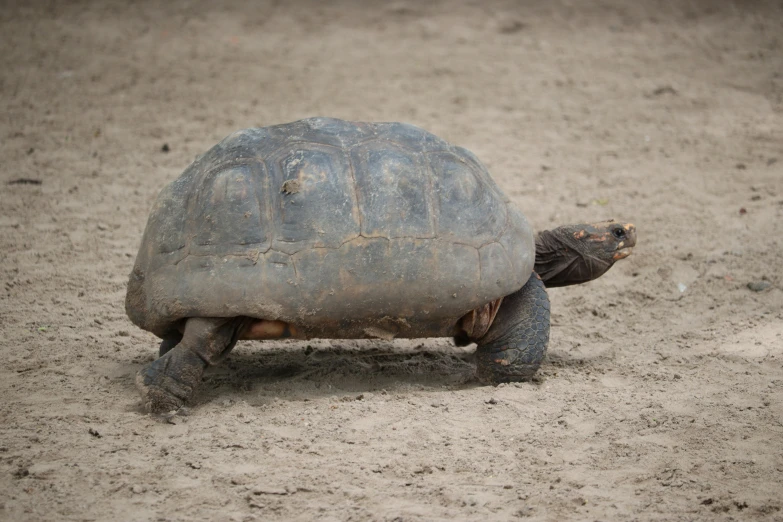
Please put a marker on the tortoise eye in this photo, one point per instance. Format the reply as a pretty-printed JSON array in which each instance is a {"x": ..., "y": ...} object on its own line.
[{"x": 619, "y": 233}]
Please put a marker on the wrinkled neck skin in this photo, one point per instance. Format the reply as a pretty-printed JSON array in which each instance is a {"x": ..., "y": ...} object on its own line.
[{"x": 566, "y": 256}]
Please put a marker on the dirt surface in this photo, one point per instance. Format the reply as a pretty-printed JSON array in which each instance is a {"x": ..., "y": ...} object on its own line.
[{"x": 662, "y": 394}]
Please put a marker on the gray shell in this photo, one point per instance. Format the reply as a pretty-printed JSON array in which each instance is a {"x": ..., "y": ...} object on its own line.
[{"x": 343, "y": 229}]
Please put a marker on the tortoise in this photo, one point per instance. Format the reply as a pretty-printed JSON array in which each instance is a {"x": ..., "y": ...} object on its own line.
[{"x": 324, "y": 228}]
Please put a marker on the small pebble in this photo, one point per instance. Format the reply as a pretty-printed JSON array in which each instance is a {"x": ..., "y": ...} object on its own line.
[
  {"x": 759, "y": 286},
  {"x": 138, "y": 489}
]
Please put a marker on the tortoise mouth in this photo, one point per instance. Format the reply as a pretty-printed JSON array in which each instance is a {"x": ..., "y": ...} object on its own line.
[{"x": 622, "y": 253}]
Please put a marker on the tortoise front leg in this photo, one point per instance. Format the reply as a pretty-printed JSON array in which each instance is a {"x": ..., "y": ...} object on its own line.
[
  {"x": 169, "y": 381},
  {"x": 515, "y": 345}
]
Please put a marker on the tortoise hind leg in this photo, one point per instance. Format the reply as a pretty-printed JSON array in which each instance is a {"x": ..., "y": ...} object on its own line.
[
  {"x": 515, "y": 345},
  {"x": 169, "y": 342},
  {"x": 169, "y": 381}
]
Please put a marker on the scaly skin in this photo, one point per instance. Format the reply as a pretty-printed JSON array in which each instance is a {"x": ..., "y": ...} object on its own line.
[
  {"x": 169, "y": 382},
  {"x": 515, "y": 345}
]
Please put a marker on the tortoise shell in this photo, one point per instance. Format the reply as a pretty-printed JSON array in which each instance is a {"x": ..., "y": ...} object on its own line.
[{"x": 344, "y": 229}]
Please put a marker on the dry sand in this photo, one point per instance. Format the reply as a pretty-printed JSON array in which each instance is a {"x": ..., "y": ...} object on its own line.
[{"x": 662, "y": 395}]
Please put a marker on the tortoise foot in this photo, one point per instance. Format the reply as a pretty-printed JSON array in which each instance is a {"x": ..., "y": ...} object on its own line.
[
  {"x": 516, "y": 343},
  {"x": 168, "y": 382}
]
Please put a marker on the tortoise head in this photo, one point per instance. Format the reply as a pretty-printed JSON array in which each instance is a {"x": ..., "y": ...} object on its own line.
[{"x": 574, "y": 254}]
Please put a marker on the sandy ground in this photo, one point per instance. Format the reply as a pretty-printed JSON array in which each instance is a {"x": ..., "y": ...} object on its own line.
[{"x": 662, "y": 395}]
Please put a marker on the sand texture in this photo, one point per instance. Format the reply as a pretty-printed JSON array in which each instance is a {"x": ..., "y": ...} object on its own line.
[{"x": 662, "y": 394}]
